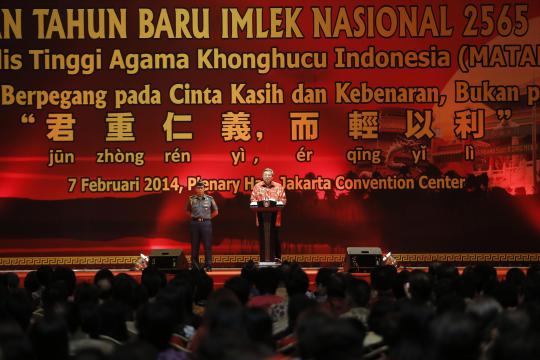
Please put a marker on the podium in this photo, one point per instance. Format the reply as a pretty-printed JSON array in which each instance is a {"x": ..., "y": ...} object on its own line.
[{"x": 266, "y": 214}]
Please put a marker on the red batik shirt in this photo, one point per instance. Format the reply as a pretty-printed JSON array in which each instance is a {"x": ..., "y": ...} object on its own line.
[{"x": 274, "y": 191}]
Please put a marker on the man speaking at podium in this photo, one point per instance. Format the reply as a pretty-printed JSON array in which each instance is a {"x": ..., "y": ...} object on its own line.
[{"x": 268, "y": 192}]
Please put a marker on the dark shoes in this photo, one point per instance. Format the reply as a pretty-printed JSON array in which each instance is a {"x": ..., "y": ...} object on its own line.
[{"x": 198, "y": 267}]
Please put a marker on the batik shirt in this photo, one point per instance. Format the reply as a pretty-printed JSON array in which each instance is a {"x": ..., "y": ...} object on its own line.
[{"x": 274, "y": 191}]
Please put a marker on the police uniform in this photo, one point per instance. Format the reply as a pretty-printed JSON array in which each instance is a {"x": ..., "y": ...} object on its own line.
[{"x": 201, "y": 208}]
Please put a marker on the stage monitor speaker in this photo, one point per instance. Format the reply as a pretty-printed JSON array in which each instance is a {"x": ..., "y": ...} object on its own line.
[
  {"x": 362, "y": 259},
  {"x": 168, "y": 259}
]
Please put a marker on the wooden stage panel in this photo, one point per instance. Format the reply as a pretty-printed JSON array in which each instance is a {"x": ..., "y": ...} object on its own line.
[{"x": 221, "y": 275}]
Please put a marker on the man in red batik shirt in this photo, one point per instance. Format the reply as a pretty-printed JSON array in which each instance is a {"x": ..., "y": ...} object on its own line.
[{"x": 269, "y": 190}]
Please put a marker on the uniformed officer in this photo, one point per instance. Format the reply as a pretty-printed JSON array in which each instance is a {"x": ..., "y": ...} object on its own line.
[{"x": 202, "y": 208}]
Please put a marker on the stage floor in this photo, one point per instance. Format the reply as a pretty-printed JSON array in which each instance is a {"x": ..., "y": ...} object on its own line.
[{"x": 220, "y": 275}]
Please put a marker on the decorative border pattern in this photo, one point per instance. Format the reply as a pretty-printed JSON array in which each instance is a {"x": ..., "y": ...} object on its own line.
[
  {"x": 468, "y": 257},
  {"x": 323, "y": 259},
  {"x": 315, "y": 258},
  {"x": 301, "y": 258},
  {"x": 228, "y": 259},
  {"x": 67, "y": 260}
]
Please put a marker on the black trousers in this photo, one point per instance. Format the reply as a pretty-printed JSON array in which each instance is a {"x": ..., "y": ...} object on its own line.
[
  {"x": 201, "y": 231},
  {"x": 275, "y": 245}
]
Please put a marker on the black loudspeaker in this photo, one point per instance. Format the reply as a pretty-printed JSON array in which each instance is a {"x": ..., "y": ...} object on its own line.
[
  {"x": 168, "y": 259},
  {"x": 362, "y": 259}
]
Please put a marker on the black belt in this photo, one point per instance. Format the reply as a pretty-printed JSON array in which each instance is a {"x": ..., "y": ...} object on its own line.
[{"x": 199, "y": 219}]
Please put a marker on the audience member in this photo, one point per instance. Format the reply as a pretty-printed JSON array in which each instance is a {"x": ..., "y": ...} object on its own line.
[{"x": 418, "y": 315}]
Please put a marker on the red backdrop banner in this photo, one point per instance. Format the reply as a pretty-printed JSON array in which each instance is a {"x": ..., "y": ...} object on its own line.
[{"x": 408, "y": 126}]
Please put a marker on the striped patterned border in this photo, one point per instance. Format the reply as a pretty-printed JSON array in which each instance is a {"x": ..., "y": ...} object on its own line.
[{"x": 301, "y": 258}]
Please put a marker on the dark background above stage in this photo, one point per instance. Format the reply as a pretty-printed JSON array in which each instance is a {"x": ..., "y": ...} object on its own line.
[{"x": 404, "y": 222}]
